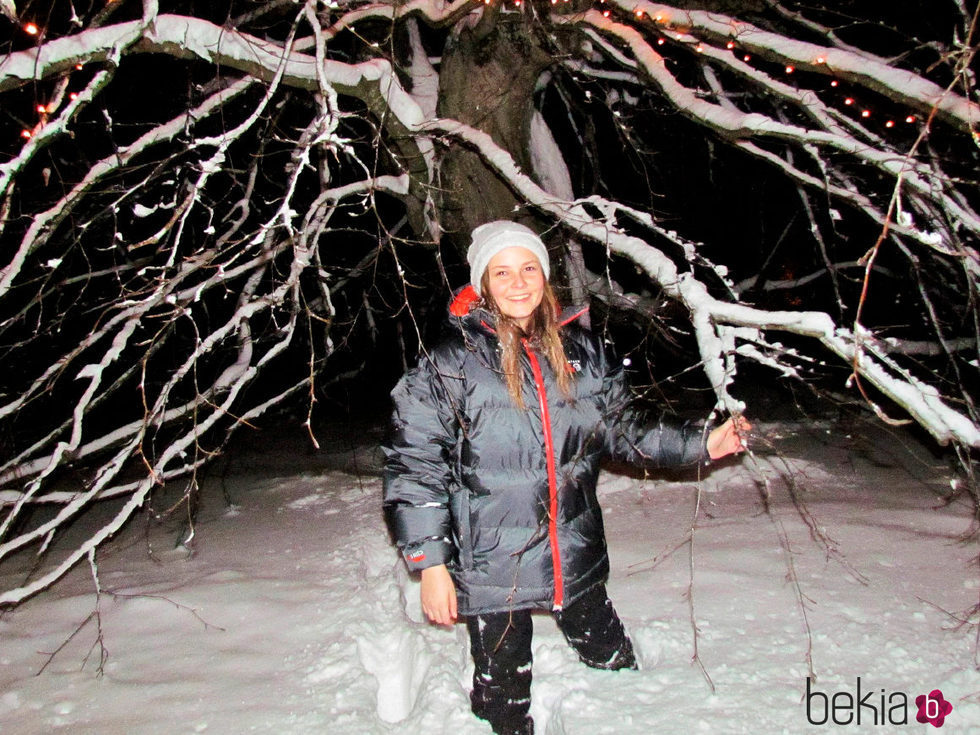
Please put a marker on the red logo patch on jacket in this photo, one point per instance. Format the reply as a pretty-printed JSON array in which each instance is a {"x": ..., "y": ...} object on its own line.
[{"x": 415, "y": 556}]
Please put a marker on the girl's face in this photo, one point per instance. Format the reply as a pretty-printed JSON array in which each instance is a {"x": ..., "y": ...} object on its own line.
[{"x": 516, "y": 283}]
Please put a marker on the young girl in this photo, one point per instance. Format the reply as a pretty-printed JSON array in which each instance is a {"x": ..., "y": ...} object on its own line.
[{"x": 491, "y": 469}]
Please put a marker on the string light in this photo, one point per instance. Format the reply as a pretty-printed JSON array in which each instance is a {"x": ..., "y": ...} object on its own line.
[
  {"x": 731, "y": 46},
  {"x": 33, "y": 30}
]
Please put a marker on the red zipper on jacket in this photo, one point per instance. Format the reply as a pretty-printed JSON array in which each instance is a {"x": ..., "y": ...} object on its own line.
[{"x": 549, "y": 449}]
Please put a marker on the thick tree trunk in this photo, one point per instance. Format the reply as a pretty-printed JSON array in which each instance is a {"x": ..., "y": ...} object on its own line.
[{"x": 487, "y": 80}]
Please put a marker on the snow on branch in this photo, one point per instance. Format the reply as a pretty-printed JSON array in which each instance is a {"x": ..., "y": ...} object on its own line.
[
  {"x": 208, "y": 408},
  {"x": 158, "y": 262},
  {"x": 193, "y": 38},
  {"x": 710, "y": 315},
  {"x": 861, "y": 68},
  {"x": 732, "y": 123}
]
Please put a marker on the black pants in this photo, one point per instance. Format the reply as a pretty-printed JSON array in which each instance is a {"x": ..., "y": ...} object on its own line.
[{"x": 501, "y": 648}]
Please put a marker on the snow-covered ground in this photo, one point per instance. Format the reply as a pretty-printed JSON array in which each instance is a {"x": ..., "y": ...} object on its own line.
[{"x": 294, "y": 614}]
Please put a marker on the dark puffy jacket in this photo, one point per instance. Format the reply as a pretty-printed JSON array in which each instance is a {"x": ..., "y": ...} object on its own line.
[{"x": 507, "y": 497}]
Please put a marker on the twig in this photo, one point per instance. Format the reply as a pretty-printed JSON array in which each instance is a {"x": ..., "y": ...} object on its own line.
[
  {"x": 51, "y": 656},
  {"x": 655, "y": 561},
  {"x": 178, "y": 605},
  {"x": 696, "y": 657},
  {"x": 801, "y": 598}
]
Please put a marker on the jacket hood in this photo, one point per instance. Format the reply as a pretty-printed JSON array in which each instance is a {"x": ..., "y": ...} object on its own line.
[{"x": 466, "y": 299}]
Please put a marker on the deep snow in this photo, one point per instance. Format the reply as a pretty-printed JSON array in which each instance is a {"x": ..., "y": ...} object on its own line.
[{"x": 294, "y": 614}]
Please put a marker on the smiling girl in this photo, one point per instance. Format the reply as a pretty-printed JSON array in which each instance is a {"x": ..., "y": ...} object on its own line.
[{"x": 492, "y": 464}]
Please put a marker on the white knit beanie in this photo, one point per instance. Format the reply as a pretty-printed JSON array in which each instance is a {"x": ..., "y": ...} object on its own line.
[{"x": 491, "y": 238}]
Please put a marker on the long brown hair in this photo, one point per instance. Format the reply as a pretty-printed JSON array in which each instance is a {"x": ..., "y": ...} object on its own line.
[{"x": 541, "y": 334}]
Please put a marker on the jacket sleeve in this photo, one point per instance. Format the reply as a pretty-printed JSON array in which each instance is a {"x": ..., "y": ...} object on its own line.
[
  {"x": 636, "y": 436},
  {"x": 419, "y": 465}
]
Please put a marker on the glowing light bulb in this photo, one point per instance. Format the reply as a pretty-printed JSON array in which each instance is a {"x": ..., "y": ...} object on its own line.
[
  {"x": 849, "y": 101},
  {"x": 639, "y": 13},
  {"x": 910, "y": 119},
  {"x": 25, "y": 133},
  {"x": 790, "y": 69},
  {"x": 821, "y": 60},
  {"x": 746, "y": 57},
  {"x": 605, "y": 13},
  {"x": 834, "y": 83},
  {"x": 890, "y": 124},
  {"x": 31, "y": 29},
  {"x": 73, "y": 96},
  {"x": 42, "y": 109},
  {"x": 79, "y": 67},
  {"x": 730, "y": 45},
  {"x": 865, "y": 113},
  {"x": 660, "y": 42}
]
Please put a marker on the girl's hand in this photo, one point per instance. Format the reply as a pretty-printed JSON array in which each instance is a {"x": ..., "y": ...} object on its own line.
[
  {"x": 729, "y": 438},
  {"x": 438, "y": 595}
]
